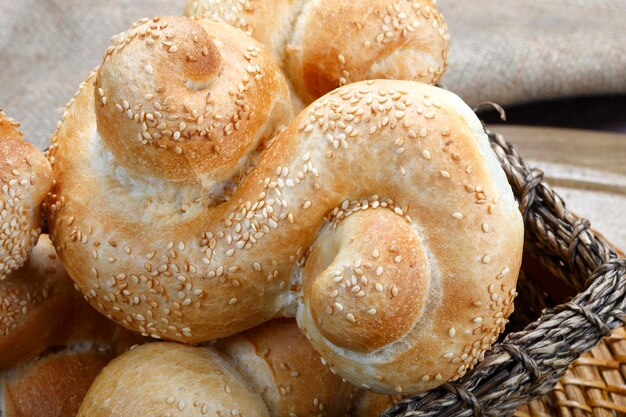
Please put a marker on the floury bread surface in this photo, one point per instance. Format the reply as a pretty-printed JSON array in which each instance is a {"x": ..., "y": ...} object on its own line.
[{"x": 379, "y": 216}]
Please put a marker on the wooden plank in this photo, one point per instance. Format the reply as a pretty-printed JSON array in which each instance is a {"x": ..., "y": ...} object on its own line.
[{"x": 587, "y": 168}]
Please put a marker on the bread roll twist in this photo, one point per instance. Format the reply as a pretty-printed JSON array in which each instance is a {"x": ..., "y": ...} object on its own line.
[
  {"x": 380, "y": 216},
  {"x": 324, "y": 44},
  {"x": 269, "y": 371},
  {"x": 26, "y": 179}
]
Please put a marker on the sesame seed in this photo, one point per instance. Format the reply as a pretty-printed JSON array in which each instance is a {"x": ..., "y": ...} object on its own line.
[{"x": 457, "y": 215}]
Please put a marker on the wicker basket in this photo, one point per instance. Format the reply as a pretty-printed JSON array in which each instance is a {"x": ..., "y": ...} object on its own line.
[
  {"x": 593, "y": 386},
  {"x": 527, "y": 364}
]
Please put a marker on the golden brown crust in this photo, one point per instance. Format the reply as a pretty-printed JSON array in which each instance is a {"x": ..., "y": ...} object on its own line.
[
  {"x": 170, "y": 379},
  {"x": 158, "y": 257},
  {"x": 323, "y": 44},
  {"x": 52, "y": 386},
  {"x": 272, "y": 369},
  {"x": 26, "y": 179},
  {"x": 280, "y": 364},
  {"x": 42, "y": 309},
  {"x": 196, "y": 104}
]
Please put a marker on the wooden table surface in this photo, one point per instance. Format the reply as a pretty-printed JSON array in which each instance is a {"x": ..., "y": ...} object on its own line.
[{"x": 587, "y": 168}]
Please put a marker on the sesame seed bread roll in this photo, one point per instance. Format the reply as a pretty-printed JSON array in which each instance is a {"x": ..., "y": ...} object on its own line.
[
  {"x": 280, "y": 364},
  {"x": 53, "y": 385},
  {"x": 324, "y": 44},
  {"x": 26, "y": 179},
  {"x": 271, "y": 370},
  {"x": 41, "y": 309},
  {"x": 167, "y": 379},
  {"x": 379, "y": 217}
]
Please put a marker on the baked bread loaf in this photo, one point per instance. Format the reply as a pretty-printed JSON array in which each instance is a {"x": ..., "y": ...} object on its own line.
[
  {"x": 324, "y": 44},
  {"x": 268, "y": 371},
  {"x": 26, "y": 179},
  {"x": 379, "y": 217},
  {"x": 53, "y": 385}
]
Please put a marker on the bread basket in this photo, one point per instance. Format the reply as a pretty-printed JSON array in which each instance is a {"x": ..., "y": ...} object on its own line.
[{"x": 526, "y": 364}]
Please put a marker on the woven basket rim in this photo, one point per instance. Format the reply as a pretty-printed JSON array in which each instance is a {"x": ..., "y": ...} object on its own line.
[{"x": 527, "y": 364}]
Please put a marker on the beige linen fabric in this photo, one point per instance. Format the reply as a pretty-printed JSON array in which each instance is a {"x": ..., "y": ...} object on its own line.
[
  {"x": 502, "y": 50},
  {"x": 512, "y": 51}
]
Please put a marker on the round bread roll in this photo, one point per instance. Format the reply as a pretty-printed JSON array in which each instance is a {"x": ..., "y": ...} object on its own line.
[
  {"x": 167, "y": 379},
  {"x": 26, "y": 179},
  {"x": 324, "y": 44},
  {"x": 279, "y": 363},
  {"x": 269, "y": 371},
  {"x": 379, "y": 217},
  {"x": 53, "y": 385}
]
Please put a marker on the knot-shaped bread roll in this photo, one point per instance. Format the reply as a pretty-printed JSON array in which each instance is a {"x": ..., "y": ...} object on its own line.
[
  {"x": 324, "y": 44},
  {"x": 26, "y": 179},
  {"x": 269, "y": 371},
  {"x": 379, "y": 216},
  {"x": 195, "y": 105}
]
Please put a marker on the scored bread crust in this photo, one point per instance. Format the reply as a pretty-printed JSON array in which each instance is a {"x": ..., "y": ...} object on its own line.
[
  {"x": 324, "y": 44},
  {"x": 379, "y": 216},
  {"x": 53, "y": 385}
]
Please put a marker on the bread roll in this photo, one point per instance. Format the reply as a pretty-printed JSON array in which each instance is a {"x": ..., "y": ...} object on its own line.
[
  {"x": 26, "y": 179},
  {"x": 41, "y": 309},
  {"x": 268, "y": 371},
  {"x": 53, "y": 385},
  {"x": 379, "y": 217},
  {"x": 279, "y": 363},
  {"x": 170, "y": 379},
  {"x": 324, "y": 44}
]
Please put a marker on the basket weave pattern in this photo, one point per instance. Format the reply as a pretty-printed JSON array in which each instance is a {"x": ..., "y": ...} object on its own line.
[
  {"x": 528, "y": 363},
  {"x": 593, "y": 386}
]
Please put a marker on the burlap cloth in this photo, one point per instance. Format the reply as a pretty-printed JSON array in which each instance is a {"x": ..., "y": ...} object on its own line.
[{"x": 502, "y": 50}]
